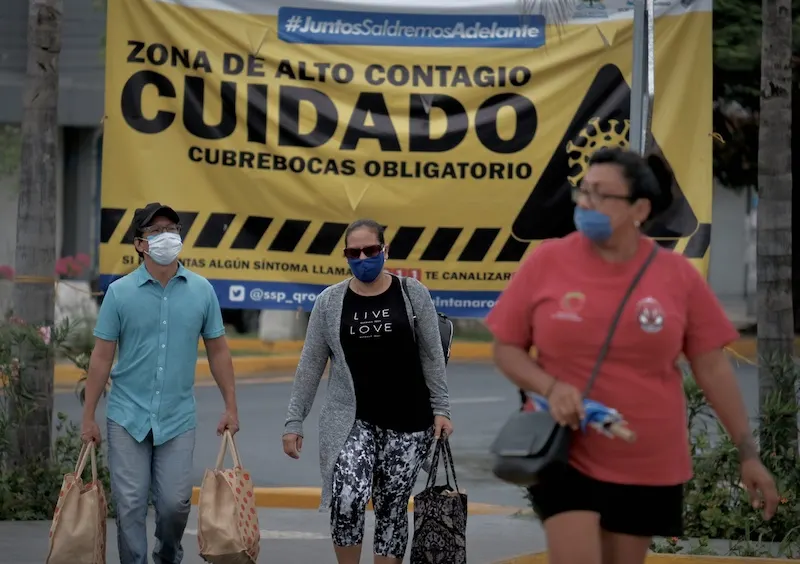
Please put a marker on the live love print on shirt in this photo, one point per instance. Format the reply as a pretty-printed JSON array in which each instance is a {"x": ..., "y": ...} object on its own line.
[
  {"x": 562, "y": 300},
  {"x": 384, "y": 360},
  {"x": 371, "y": 323}
]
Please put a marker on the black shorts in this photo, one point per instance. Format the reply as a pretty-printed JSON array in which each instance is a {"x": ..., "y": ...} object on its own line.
[{"x": 643, "y": 511}]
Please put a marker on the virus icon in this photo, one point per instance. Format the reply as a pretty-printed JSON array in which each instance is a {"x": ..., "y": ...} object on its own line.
[{"x": 592, "y": 138}]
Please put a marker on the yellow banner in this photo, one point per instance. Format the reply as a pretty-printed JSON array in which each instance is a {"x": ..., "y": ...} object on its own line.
[{"x": 271, "y": 128}]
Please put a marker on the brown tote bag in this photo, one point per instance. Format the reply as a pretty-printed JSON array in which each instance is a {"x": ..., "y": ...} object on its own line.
[
  {"x": 78, "y": 532},
  {"x": 227, "y": 529}
]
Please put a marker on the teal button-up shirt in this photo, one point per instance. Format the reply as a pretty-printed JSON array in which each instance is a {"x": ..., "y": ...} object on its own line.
[{"x": 157, "y": 330}]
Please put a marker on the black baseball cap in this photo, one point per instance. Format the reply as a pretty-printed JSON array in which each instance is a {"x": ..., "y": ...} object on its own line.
[{"x": 142, "y": 217}]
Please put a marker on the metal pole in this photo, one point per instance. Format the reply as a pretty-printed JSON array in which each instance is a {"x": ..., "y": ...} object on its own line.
[{"x": 643, "y": 75}]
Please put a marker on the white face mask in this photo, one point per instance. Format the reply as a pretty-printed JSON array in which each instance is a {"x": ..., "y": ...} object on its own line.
[{"x": 164, "y": 248}]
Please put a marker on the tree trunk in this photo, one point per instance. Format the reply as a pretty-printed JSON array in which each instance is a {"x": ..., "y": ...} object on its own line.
[
  {"x": 774, "y": 230},
  {"x": 33, "y": 294}
]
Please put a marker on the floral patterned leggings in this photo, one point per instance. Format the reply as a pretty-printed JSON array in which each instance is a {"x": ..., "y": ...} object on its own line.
[{"x": 381, "y": 464}]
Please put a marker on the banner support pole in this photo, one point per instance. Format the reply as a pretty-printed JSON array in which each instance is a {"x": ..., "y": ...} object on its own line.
[{"x": 642, "y": 76}]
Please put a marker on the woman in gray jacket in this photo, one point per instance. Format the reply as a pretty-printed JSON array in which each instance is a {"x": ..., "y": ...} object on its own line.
[{"x": 387, "y": 396}]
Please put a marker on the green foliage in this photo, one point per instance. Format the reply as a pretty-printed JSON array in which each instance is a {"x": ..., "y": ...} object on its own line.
[
  {"x": 737, "y": 82},
  {"x": 737, "y": 48},
  {"x": 28, "y": 491},
  {"x": 716, "y": 505},
  {"x": 674, "y": 545}
]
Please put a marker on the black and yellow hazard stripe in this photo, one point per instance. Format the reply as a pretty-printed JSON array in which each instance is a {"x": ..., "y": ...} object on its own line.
[{"x": 293, "y": 235}]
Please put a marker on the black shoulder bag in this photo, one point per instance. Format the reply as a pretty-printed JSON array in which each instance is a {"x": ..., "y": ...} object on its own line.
[{"x": 530, "y": 441}]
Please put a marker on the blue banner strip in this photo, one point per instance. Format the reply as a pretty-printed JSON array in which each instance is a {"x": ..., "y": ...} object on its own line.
[
  {"x": 344, "y": 27},
  {"x": 238, "y": 294}
]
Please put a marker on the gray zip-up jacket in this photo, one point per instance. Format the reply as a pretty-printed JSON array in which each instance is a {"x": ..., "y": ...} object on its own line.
[{"x": 323, "y": 343}]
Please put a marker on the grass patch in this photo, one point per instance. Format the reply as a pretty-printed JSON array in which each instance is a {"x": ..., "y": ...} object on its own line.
[{"x": 478, "y": 334}]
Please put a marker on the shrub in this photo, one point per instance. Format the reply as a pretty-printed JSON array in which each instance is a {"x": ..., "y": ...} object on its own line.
[
  {"x": 28, "y": 490},
  {"x": 716, "y": 504}
]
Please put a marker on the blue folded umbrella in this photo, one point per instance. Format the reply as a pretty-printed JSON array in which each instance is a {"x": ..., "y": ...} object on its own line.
[{"x": 607, "y": 420}]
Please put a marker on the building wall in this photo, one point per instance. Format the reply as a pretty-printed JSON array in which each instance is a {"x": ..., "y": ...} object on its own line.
[
  {"x": 728, "y": 243},
  {"x": 81, "y": 192},
  {"x": 81, "y": 65}
]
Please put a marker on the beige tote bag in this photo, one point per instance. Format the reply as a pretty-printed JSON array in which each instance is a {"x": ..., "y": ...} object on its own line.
[
  {"x": 78, "y": 532},
  {"x": 227, "y": 528}
]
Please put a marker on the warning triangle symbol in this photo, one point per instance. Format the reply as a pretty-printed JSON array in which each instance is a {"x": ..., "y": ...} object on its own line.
[{"x": 602, "y": 119}]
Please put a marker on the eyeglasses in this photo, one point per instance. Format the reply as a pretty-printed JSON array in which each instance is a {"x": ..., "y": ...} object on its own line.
[
  {"x": 159, "y": 229},
  {"x": 369, "y": 251},
  {"x": 596, "y": 198}
]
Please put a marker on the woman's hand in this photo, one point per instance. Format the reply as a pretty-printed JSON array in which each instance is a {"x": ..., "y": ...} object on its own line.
[
  {"x": 292, "y": 445},
  {"x": 566, "y": 405},
  {"x": 760, "y": 486},
  {"x": 442, "y": 426}
]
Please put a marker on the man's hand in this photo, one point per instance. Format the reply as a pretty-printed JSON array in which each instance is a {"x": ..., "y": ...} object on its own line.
[
  {"x": 292, "y": 445},
  {"x": 442, "y": 426},
  {"x": 229, "y": 421},
  {"x": 90, "y": 432},
  {"x": 760, "y": 486}
]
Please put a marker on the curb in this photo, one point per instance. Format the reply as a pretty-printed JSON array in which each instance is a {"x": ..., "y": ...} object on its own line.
[
  {"x": 67, "y": 375},
  {"x": 541, "y": 558},
  {"x": 746, "y": 347},
  {"x": 461, "y": 350},
  {"x": 309, "y": 498},
  {"x": 286, "y": 356},
  {"x": 283, "y": 356}
]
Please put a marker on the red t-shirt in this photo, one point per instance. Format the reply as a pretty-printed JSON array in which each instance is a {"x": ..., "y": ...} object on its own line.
[{"x": 562, "y": 300}]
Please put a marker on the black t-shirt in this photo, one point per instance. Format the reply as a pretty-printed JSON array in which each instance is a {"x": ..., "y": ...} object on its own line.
[{"x": 384, "y": 360}]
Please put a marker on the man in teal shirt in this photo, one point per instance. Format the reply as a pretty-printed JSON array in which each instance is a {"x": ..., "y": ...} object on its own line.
[{"x": 156, "y": 316}]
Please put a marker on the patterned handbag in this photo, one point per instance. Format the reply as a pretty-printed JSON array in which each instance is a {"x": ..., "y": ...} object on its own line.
[
  {"x": 78, "y": 531},
  {"x": 440, "y": 516},
  {"x": 227, "y": 528}
]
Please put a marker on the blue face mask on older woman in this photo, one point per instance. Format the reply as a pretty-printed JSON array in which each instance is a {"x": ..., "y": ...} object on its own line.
[{"x": 594, "y": 225}]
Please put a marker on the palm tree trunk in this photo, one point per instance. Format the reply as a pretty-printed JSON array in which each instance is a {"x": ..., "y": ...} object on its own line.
[
  {"x": 33, "y": 294},
  {"x": 774, "y": 230}
]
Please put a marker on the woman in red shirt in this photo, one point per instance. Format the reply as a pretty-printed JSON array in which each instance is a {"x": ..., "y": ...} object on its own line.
[{"x": 613, "y": 495}]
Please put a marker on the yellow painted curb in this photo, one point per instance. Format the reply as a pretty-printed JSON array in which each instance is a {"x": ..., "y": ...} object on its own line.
[
  {"x": 67, "y": 375},
  {"x": 257, "y": 345},
  {"x": 286, "y": 355},
  {"x": 541, "y": 558},
  {"x": 309, "y": 498},
  {"x": 746, "y": 347},
  {"x": 461, "y": 350}
]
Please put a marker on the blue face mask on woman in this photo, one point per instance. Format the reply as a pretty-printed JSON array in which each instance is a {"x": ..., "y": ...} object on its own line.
[
  {"x": 367, "y": 269},
  {"x": 595, "y": 225}
]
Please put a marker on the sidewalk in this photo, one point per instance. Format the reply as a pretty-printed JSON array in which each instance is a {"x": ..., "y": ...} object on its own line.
[{"x": 293, "y": 536}]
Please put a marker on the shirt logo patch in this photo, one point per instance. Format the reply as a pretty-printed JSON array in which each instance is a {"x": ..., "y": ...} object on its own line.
[
  {"x": 650, "y": 315},
  {"x": 571, "y": 305}
]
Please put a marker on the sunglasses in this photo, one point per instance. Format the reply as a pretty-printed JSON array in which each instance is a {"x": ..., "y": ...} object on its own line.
[{"x": 369, "y": 251}]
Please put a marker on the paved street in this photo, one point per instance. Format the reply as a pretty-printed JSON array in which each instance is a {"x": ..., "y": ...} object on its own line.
[
  {"x": 293, "y": 537},
  {"x": 481, "y": 399},
  {"x": 481, "y": 402}
]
